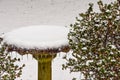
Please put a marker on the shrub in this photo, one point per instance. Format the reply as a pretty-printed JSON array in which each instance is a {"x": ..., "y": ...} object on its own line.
[
  {"x": 8, "y": 69},
  {"x": 95, "y": 42}
]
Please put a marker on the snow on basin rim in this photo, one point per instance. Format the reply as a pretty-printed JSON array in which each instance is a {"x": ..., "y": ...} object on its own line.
[{"x": 40, "y": 37}]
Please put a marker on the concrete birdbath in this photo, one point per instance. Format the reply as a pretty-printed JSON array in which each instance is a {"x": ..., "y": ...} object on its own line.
[{"x": 43, "y": 42}]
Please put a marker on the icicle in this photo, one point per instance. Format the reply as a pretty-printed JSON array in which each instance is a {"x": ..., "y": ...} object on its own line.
[
  {"x": 11, "y": 54},
  {"x": 27, "y": 56},
  {"x": 59, "y": 54},
  {"x": 22, "y": 57},
  {"x": 32, "y": 57},
  {"x": 16, "y": 54}
]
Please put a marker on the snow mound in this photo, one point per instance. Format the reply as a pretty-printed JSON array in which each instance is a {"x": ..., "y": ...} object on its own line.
[{"x": 40, "y": 37}]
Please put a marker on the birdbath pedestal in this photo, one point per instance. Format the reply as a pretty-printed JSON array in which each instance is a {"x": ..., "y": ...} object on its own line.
[{"x": 43, "y": 42}]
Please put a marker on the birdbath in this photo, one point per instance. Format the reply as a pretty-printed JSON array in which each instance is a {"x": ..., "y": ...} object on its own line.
[{"x": 42, "y": 41}]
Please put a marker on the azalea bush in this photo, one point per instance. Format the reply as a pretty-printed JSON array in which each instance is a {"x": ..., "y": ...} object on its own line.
[
  {"x": 95, "y": 43},
  {"x": 8, "y": 69}
]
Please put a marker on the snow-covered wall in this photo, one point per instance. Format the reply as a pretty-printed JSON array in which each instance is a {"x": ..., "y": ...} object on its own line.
[{"x": 19, "y": 13}]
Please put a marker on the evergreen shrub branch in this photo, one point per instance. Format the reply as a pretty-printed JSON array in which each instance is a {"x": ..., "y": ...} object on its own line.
[
  {"x": 95, "y": 41},
  {"x": 8, "y": 69}
]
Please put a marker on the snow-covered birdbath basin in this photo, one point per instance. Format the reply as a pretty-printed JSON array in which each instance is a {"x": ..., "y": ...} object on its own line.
[{"x": 42, "y": 41}]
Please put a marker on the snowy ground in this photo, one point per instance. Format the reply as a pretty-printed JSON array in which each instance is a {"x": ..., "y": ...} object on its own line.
[{"x": 19, "y": 13}]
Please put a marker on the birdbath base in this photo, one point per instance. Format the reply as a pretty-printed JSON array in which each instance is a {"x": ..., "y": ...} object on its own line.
[{"x": 44, "y": 65}]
